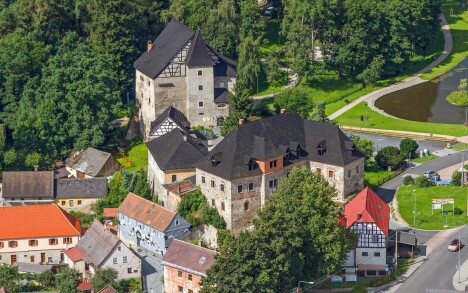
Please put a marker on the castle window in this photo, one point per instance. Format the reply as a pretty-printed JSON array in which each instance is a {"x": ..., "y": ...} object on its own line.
[
  {"x": 246, "y": 206},
  {"x": 349, "y": 173},
  {"x": 221, "y": 187},
  {"x": 174, "y": 177},
  {"x": 213, "y": 202},
  {"x": 203, "y": 179},
  {"x": 200, "y": 87},
  {"x": 331, "y": 174},
  {"x": 221, "y": 105},
  {"x": 149, "y": 82},
  {"x": 79, "y": 202},
  {"x": 357, "y": 169},
  {"x": 240, "y": 188},
  {"x": 149, "y": 100},
  {"x": 142, "y": 79},
  {"x": 200, "y": 105},
  {"x": 201, "y": 114},
  {"x": 273, "y": 164},
  {"x": 212, "y": 183},
  {"x": 273, "y": 183},
  {"x": 251, "y": 186},
  {"x": 318, "y": 170},
  {"x": 222, "y": 206},
  {"x": 200, "y": 72}
]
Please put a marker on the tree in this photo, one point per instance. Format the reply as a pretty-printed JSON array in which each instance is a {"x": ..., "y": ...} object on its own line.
[
  {"x": 251, "y": 21},
  {"x": 296, "y": 237},
  {"x": 295, "y": 100},
  {"x": 248, "y": 65},
  {"x": 240, "y": 101},
  {"x": 389, "y": 156},
  {"x": 274, "y": 75},
  {"x": 2, "y": 138},
  {"x": 408, "y": 180},
  {"x": 103, "y": 277},
  {"x": 33, "y": 159},
  {"x": 364, "y": 144},
  {"x": 422, "y": 181},
  {"x": 456, "y": 178},
  {"x": 46, "y": 279},
  {"x": 319, "y": 113},
  {"x": 9, "y": 158},
  {"x": 67, "y": 280},
  {"x": 373, "y": 72},
  {"x": 408, "y": 147},
  {"x": 142, "y": 187},
  {"x": 9, "y": 278}
]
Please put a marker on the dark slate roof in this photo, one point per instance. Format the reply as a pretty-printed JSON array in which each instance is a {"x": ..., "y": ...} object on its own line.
[
  {"x": 176, "y": 150},
  {"x": 81, "y": 188},
  {"x": 198, "y": 55},
  {"x": 273, "y": 137},
  {"x": 97, "y": 243},
  {"x": 28, "y": 184},
  {"x": 61, "y": 173},
  {"x": 90, "y": 162},
  {"x": 177, "y": 116},
  {"x": 170, "y": 41},
  {"x": 226, "y": 66},
  {"x": 189, "y": 257},
  {"x": 221, "y": 95}
]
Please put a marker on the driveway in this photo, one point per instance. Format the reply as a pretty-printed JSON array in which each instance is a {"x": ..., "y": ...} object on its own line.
[{"x": 152, "y": 272}]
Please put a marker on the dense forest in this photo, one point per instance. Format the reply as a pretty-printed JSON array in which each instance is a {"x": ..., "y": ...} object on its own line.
[{"x": 66, "y": 66}]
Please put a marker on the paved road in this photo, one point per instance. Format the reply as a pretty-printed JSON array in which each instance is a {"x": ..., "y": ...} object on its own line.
[
  {"x": 438, "y": 269},
  {"x": 152, "y": 272},
  {"x": 387, "y": 191}
]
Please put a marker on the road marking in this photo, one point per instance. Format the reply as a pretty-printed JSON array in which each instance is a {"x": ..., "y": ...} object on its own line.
[{"x": 439, "y": 240}]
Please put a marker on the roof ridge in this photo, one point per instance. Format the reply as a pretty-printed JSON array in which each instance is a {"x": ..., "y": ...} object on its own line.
[
  {"x": 62, "y": 212},
  {"x": 194, "y": 245},
  {"x": 134, "y": 194}
]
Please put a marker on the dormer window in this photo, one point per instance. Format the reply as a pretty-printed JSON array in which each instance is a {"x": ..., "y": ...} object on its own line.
[
  {"x": 215, "y": 159},
  {"x": 273, "y": 164},
  {"x": 252, "y": 165},
  {"x": 321, "y": 148}
]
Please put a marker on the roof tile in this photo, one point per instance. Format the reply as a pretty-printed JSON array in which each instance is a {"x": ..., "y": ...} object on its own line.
[
  {"x": 28, "y": 184},
  {"x": 189, "y": 256}
]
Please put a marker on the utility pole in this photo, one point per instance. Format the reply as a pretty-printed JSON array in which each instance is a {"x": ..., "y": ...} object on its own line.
[
  {"x": 463, "y": 170},
  {"x": 396, "y": 250},
  {"x": 414, "y": 211},
  {"x": 459, "y": 248}
]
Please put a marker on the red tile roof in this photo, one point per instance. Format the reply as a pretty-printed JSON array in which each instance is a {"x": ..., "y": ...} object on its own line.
[
  {"x": 368, "y": 207},
  {"x": 110, "y": 212},
  {"x": 108, "y": 289},
  {"x": 84, "y": 286},
  {"x": 3, "y": 290},
  {"x": 75, "y": 254},
  {"x": 189, "y": 256},
  {"x": 37, "y": 221},
  {"x": 146, "y": 212}
]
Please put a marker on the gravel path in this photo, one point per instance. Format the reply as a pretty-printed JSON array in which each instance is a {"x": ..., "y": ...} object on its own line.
[{"x": 408, "y": 82}]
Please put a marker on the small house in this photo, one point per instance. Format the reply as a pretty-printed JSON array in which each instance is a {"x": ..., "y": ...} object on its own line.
[{"x": 91, "y": 163}]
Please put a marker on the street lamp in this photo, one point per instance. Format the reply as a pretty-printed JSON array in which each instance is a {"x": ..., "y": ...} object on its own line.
[
  {"x": 299, "y": 284},
  {"x": 414, "y": 211}
]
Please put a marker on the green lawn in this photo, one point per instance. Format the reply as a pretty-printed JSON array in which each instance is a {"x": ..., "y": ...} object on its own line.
[
  {"x": 403, "y": 265},
  {"x": 379, "y": 121},
  {"x": 459, "y": 28},
  {"x": 424, "y": 159},
  {"x": 358, "y": 287},
  {"x": 426, "y": 220},
  {"x": 373, "y": 174},
  {"x": 459, "y": 146},
  {"x": 264, "y": 88},
  {"x": 137, "y": 153},
  {"x": 273, "y": 42}
]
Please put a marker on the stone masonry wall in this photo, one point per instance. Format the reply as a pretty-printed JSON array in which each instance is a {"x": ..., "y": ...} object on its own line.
[{"x": 200, "y": 89}]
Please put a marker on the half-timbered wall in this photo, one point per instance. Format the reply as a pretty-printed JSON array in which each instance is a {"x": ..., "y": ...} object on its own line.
[
  {"x": 167, "y": 126},
  {"x": 369, "y": 235}
]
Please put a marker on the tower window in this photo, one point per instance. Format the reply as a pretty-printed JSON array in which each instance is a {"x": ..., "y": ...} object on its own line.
[
  {"x": 200, "y": 72},
  {"x": 200, "y": 105},
  {"x": 200, "y": 87}
]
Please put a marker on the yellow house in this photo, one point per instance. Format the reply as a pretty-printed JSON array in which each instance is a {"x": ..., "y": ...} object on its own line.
[{"x": 73, "y": 193}]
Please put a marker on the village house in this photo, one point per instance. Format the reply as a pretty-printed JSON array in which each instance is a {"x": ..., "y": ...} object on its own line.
[
  {"x": 170, "y": 119},
  {"x": 100, "y": 248},
  {"x": 368, "y": 215},
  {"x": 108, "y": 289},
  {"x": 244, "y": 169},
  {"x": 185, "y": 265},
  {"x": 180, "y": 70},
  {"x": 28, "y": 187},
  {"x": 37, "y": 234},
  {"x": 91, "y": 163},
  {"x": 73, "y": 193},
  {"x": 171, "y": 165},
  {"x": 147, "y": 225}
]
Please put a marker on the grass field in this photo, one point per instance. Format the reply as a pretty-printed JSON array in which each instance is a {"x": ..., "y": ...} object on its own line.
[
  {"x": 459, "y": 28},
  {"x": 373, "y": 174},
  {"x": 426, "y": 220},
  {"x": 459, "y": 146},
  {"x": 424, "y": 159},
  {"x": 137, "y": 153},
  {"x": 379, "y": 121}
]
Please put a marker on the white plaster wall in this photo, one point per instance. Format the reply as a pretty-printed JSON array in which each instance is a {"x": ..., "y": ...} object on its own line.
[
  {"x": 133, "y": 262},
  {"x": 371, "y": 259}
]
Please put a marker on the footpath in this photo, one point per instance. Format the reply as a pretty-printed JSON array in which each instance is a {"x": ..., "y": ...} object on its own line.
[{"x": 408, "y": 82}]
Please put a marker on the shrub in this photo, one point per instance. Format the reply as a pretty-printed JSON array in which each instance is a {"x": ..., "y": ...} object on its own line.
[
  {"x": 456, "y": 178},
  {"x": 422, "y": 181},
  {"x": 408, "y": 180},
  {"x": 408, "y": 146},
  {"x": 389, "y": 156},
  {"x": 379, "y": 281},
  {"x": 458, "y": 211}
]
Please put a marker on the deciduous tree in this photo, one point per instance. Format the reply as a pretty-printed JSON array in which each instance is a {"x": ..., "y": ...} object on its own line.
[{"x": 103, "y": 277}]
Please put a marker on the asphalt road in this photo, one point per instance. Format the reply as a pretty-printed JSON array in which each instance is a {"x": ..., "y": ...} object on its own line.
[
  {"x": 438, "y": 269},
  {"x": 152, "y": 271}
]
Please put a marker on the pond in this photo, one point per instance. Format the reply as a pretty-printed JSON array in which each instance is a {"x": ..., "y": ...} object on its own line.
[{"x": 426, "y": 101}]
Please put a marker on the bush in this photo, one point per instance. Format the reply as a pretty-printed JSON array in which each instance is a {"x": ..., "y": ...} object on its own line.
[
  {"x": 458, "y": 211},
  {"x": 295, "y": 100},
  {"x": 389, "y": 156},
  {"x": 408, "y": 146},
  {"x": 422, "y": 181},
  {"x": 408, "y": 180},
  {"x": 456, "y": 178},
  {"x": 379, "y": 281}
]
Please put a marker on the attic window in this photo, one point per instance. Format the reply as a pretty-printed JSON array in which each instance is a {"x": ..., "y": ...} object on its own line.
[
  {"x": 252, "y": 165},
  {"x": 321, "y": 148},
  {"x": 202, "y": 260},
  {"x": 177, "y": 223},
  {"x": 215, "y": 159},
  {"x": 298, "y": 151}
]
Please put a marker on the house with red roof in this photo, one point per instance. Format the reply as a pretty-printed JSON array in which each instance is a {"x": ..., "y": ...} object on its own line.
[
  {"x": 36, "y": 234},
  {"x": 185, "y": 265},
  {"x": 144, "y": 224},
  {"x": 369, "y": 216},
  {"x": 100, "y": 248}
]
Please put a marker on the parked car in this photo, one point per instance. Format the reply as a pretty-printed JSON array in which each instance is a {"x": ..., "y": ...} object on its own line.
[
  {"x": 455, "y": 245},
  {"x": 430, "y": 173},
  {"x": 437, "y": 181}
]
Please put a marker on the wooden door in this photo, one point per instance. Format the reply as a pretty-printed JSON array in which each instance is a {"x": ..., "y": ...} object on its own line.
[{"x": 43, "y": 257}]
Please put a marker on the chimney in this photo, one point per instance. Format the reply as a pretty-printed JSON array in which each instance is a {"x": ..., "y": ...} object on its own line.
[
  {"x": 150, "y": 45},
  {"x": 282, "y": 111},
  {"x": 241, "y": 121},
  {"x": 185, "y": 137},
  {"x": 359, "y": 216}
]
